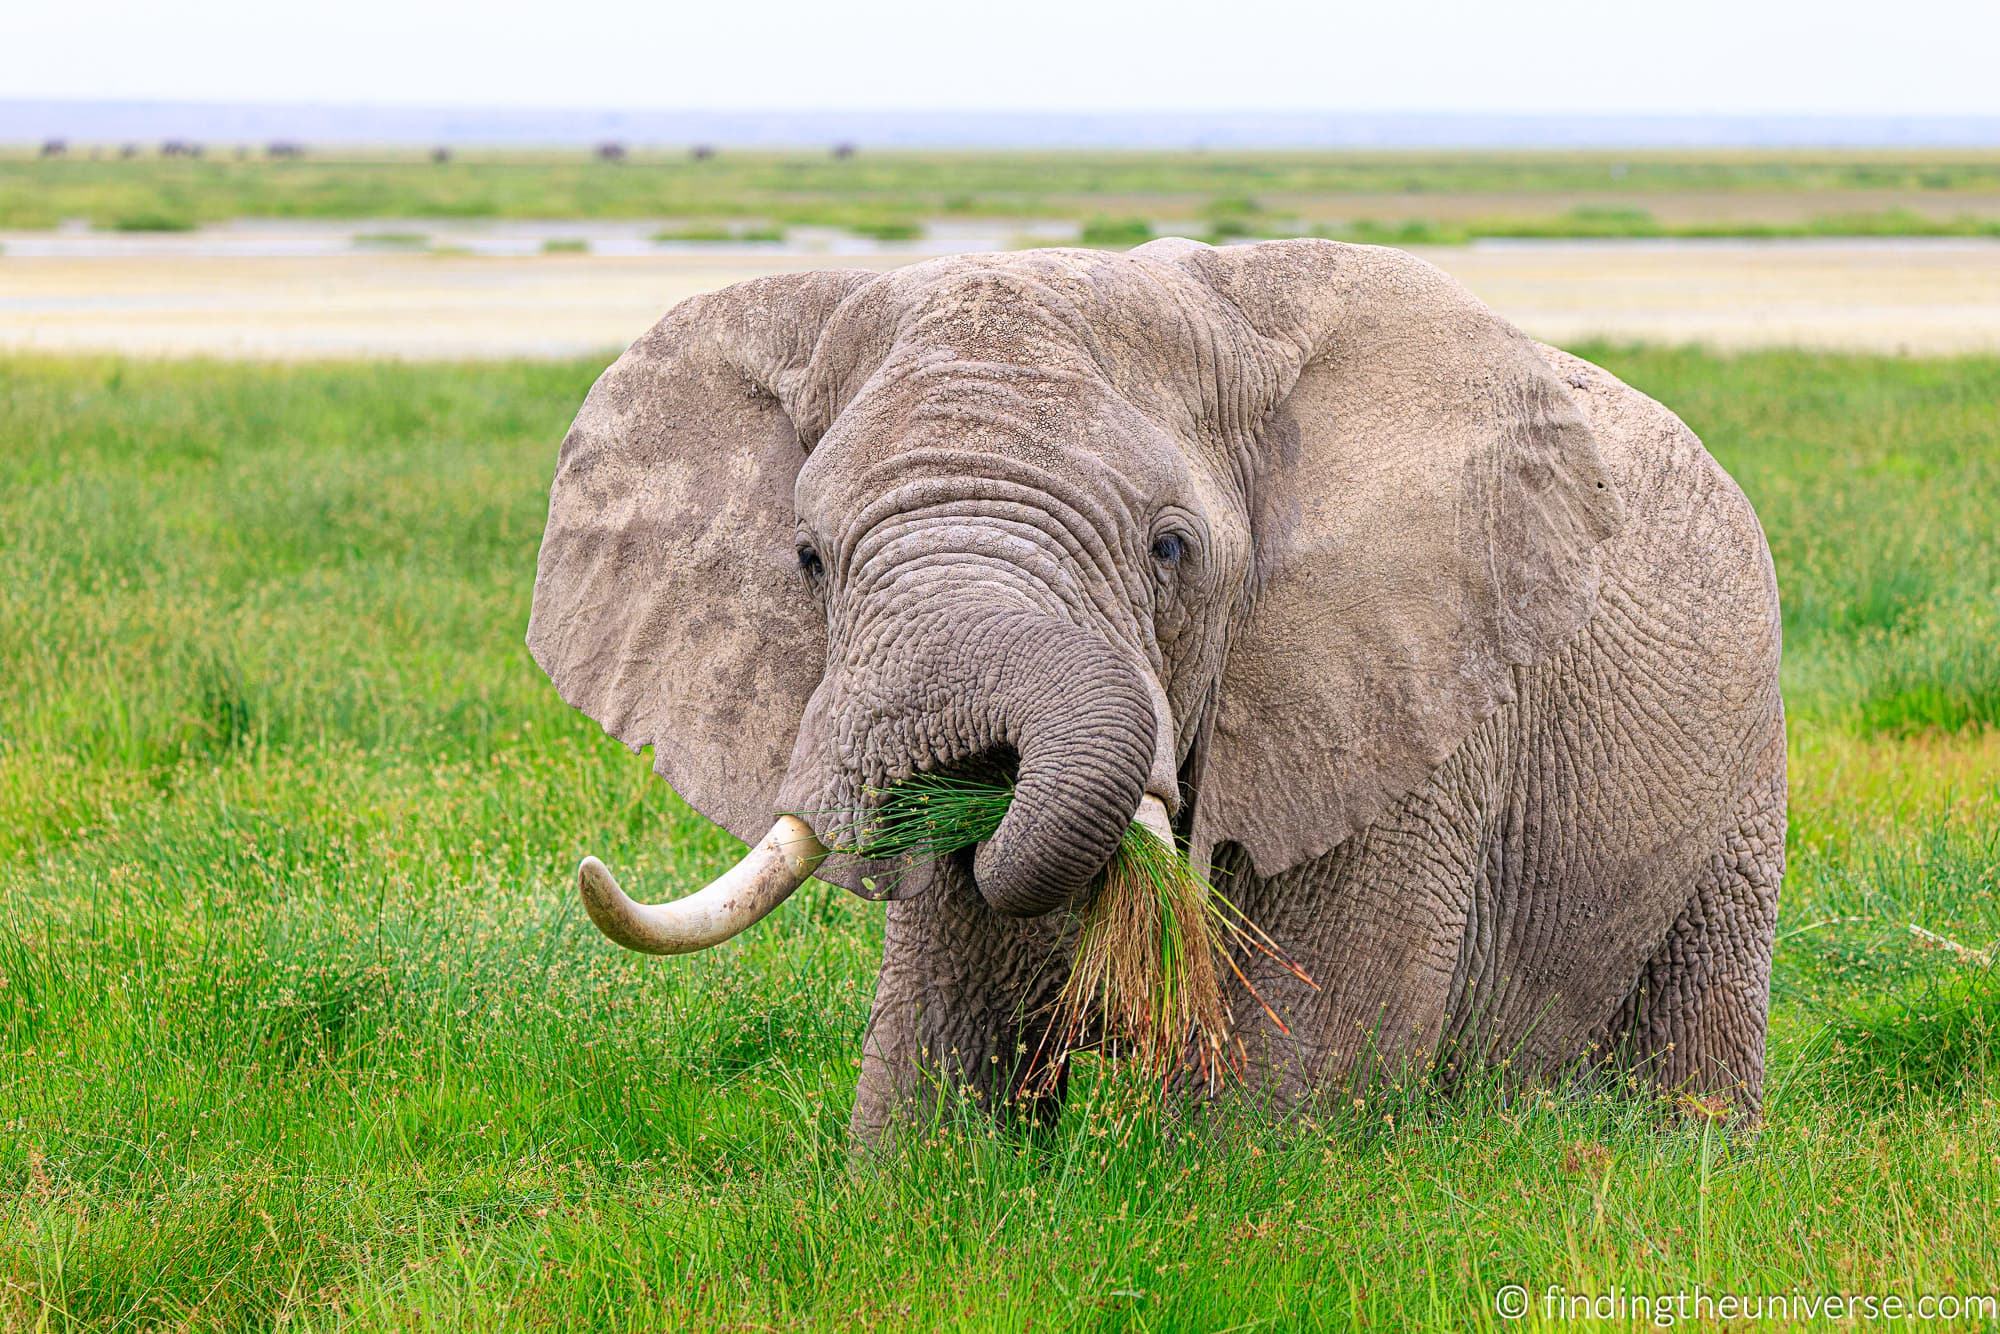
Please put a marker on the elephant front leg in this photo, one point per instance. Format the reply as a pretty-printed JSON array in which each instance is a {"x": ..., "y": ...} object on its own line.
[{"x": 960, "y": 1010}]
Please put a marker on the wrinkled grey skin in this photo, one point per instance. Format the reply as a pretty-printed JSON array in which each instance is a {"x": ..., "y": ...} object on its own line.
[{"x": 1464, "y": 673}]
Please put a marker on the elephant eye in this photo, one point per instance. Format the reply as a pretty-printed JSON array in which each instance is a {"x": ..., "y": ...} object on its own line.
[
  {"x": 809, "y": 560},
  {"x": 1168, "y": 548}
]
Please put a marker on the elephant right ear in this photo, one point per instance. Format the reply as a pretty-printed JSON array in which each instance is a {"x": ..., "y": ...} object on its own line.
[{"x": 668, "y": 604}]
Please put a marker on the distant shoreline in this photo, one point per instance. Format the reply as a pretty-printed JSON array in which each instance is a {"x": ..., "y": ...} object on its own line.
[{"x": 33, "y": 120}]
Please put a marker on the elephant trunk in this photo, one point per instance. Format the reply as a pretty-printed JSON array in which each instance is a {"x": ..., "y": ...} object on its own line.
[{"x": 1081, "y": 725}]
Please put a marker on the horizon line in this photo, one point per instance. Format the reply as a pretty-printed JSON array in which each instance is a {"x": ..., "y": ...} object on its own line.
[{"x": 104, "y": 119}]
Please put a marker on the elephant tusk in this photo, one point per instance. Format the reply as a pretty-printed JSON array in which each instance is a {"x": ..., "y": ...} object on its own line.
[
  {"x": 1153, "y": 815},
  {"x": 765, "y": 878}
]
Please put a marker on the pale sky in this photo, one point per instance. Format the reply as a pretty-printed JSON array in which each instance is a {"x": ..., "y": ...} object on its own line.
[{"x": 1854, "y": 57}]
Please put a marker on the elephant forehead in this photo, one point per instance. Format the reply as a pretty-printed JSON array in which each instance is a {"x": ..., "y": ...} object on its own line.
[
  {"x": 1039, "y": 327},
  {"x": 936, "y": 415}
]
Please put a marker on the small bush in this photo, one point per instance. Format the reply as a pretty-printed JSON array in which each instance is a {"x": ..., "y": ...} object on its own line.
[
  {"x": 565, "y": 245},
  {"x": 392, "y": 241},
  {"x": 1232, "y": 206},
  {"x": 888, "y": 230},
  {"x": 710, "y": 232},
  {"x": 1116, "y": 233},
  {"x": 1413, "y": 231},
  {"x": 153, "y": 220}
]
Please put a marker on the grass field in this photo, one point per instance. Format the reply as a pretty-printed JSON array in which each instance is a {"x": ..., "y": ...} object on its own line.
[
  {"x": 300, "y": 1023},
  {"x": 1405, "y": 198}
]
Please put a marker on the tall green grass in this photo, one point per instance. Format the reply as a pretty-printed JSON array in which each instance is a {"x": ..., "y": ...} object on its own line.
[{"x": 300, "y": 1022}]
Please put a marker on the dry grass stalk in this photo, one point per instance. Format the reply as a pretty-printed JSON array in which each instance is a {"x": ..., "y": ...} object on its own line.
[{"x": 1146, "y": 978}]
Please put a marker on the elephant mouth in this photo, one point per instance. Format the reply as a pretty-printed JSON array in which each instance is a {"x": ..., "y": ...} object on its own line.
[
  {"x": 768, "y": 874},
  {"x": 1043, "y": 707},
  {"x": 893, "y": 830}
]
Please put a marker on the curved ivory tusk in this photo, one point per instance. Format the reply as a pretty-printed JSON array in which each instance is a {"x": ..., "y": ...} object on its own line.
[
  {"x": 765, "y": 878},
  {"x": 1153, "y": 815}
]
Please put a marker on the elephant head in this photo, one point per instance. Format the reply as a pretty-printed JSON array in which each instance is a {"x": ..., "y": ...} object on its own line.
[{"x": 1258, "y": 534}]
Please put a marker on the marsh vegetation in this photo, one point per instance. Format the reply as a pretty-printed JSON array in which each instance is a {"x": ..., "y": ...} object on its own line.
[
  {"x": 1399, "y": 197},
  {"x": 300, "y": 1021}
]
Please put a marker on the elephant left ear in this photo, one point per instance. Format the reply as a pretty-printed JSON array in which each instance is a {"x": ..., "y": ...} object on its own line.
[{"x": 1427, "y": 514}]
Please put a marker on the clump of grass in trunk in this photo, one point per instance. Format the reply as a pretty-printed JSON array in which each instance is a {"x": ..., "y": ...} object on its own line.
[
  {"x": 1146, "y": 977},
  {"x": 931, "y": 816}
]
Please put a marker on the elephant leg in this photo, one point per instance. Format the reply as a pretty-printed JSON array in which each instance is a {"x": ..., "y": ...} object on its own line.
[
  {"x": 1381, "y": 926},
  {"x": 958, "y": 1013},
  {"x": 1695, "y": 1021},
  {"x": 1377, "y": 926}
]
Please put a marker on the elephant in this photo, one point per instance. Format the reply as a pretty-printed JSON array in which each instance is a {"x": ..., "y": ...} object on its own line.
[{"x": 1451, "y": 656}]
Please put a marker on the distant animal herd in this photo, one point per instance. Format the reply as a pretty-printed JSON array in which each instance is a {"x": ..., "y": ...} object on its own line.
[{"x": 286, "y": 150}]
